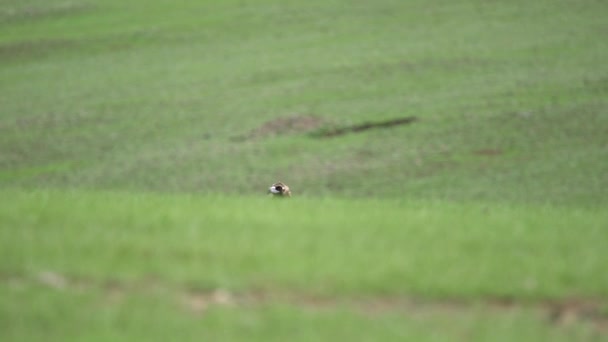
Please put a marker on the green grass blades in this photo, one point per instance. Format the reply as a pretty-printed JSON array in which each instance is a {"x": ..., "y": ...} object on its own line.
[
  {"x": 341, "y": 247},
  {"x": 103, "y": 265}
]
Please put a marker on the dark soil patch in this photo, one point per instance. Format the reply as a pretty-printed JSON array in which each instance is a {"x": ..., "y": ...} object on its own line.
[
  {"x": 337, "y": 131},
  {"x": 295, "y": 124}
]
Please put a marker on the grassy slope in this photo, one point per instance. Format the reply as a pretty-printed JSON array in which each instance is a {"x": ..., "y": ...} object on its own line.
[{"x": 105, "y": 95}]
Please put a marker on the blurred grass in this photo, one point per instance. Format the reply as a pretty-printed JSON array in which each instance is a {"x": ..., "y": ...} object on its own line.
[
  {"x": 106, "y": 265},
  {"x": 93, "y": 316},
  {"x": 430, "y": 249}
]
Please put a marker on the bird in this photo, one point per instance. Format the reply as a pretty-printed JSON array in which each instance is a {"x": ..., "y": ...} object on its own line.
[{"x": 279, "y": 189}]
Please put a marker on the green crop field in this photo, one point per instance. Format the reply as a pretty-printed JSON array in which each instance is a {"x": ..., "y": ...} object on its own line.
[{"x": 448, "y": 162}]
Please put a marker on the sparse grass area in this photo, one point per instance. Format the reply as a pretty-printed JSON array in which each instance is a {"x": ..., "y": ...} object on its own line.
[{"x": 137, "y": 140}]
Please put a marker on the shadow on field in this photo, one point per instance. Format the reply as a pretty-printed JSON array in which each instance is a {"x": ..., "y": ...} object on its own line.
[
  {"x": 316, "y": 127},
  {"x": 337, "y": 131}
]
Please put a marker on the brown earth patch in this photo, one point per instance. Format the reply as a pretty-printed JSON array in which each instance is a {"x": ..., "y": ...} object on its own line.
[{"x": 294, "y": 124}]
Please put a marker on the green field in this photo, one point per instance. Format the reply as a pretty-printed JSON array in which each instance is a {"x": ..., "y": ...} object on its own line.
[{"x": 138, "y": 138}]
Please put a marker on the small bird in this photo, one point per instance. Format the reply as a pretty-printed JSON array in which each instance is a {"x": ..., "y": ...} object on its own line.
[{"x": 279, "y": 189}]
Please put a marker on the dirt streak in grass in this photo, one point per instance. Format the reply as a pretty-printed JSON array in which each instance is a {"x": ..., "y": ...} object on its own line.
[{"x": 560, "y": 312}]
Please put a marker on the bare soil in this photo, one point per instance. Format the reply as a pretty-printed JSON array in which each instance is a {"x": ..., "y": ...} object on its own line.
[{"x": 295, "y": 124}]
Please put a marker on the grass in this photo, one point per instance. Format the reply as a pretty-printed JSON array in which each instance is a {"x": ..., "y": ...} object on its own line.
[
  {"x": 319, "y": 247},
  {"x": 137, "y": 140},
  {"x": 109, "y": 96},
  {"x": 120, "y": 264},
  {"x": 157, "y": 317}
]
